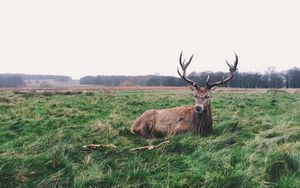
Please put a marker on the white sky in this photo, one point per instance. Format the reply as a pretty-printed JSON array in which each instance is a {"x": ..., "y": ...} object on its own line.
[{"x": 138, "y": 37}]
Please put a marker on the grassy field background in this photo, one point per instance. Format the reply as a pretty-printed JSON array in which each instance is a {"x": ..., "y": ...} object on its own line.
[{"x": 255, "y": 142}]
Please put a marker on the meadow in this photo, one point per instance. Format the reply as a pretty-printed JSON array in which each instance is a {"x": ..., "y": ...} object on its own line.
[{"x": 255, "y": 142}]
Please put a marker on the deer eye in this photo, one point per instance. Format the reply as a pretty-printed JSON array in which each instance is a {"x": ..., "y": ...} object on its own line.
[{"x": 206, "y": 97}]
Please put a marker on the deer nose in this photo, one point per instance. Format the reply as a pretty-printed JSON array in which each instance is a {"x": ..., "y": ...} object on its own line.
[{"x": 198, "y": 109}]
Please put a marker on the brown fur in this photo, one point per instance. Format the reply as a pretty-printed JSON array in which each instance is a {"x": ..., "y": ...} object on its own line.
[{"x": 159, "y": 123}]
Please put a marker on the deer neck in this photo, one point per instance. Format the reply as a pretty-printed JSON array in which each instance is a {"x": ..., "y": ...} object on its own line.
[{"x": 203, "y": 122}]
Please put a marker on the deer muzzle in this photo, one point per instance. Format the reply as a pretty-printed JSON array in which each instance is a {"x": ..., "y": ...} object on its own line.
[{"x": 199, "y": 109}]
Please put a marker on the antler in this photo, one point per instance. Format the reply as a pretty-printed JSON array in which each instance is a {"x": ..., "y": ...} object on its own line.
[
  {"x": 183, "y": 67},
  {"x": 232, "y": 69}
]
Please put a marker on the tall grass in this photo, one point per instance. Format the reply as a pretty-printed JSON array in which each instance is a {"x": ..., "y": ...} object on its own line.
[{"x": 255, "y": 142}]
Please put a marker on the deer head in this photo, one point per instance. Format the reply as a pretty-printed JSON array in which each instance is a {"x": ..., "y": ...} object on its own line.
[{"x": 202, "y": 94}]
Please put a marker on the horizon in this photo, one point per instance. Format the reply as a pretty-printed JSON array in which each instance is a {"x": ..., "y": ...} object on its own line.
[
  {"x": 154, "y": 74},
  {"x": 131, "y": 38}
]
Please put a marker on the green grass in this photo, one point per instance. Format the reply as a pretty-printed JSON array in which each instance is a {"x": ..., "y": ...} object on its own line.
[{"x": 255, "y": 142}]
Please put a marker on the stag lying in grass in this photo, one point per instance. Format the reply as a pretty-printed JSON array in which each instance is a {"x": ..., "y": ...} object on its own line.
[{"x": 197, "y": 118}]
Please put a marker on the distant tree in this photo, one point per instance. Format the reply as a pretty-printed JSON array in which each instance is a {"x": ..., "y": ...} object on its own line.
[
  {"x": 275, "y": 79},
  {"x": 154, "y": 81},
  {"x": 293, "y": 77},
  {"x": 11, "y": 81}
]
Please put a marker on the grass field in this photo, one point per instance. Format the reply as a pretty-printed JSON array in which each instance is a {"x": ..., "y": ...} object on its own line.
[{"x": 255, "y": 143}]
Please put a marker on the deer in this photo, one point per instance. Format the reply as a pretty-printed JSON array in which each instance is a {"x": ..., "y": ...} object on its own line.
[{"x": 198, "y": 118}]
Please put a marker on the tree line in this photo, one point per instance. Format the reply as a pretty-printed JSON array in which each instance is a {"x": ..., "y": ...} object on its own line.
[
  {"x": 11, "y": 81},
  {"x": 269, "y": 79},
  {"x": 57, "y": 78},
  {"x": 18, "y": 80}
]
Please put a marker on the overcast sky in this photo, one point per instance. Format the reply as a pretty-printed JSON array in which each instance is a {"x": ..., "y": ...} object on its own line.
[{"x": 139, "y": 37}]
